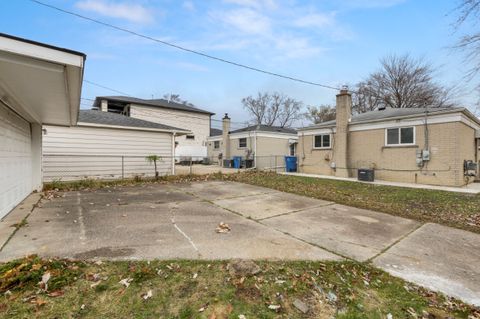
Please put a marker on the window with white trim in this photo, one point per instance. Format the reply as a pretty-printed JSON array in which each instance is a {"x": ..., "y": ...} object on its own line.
[
  {"x": 216, "y": 145},
  {"x": 322, "y": 141},
  {"x": 190, "y": 137},
  {"x": 400, "y": 136},
  {"x": 242, "y": 142}
]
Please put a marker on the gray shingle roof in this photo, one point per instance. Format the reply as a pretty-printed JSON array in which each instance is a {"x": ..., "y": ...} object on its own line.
[
  {"x": 215, "y": 132},
  {"x": 386, "y": 114},
  {"x": 107, "y": 118},
  {"x": 155, "y": 102},
  {"x": 265, "y": 128}
]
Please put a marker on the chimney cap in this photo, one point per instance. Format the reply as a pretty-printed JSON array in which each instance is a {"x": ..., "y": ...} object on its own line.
[
  {"x": 226, "y": 117},
  {"x": 344, "y": 90}
]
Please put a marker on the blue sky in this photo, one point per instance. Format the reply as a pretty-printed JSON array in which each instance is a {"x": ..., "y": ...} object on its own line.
[{"x": 326, "y": 41}]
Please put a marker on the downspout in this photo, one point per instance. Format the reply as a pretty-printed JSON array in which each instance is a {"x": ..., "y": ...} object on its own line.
[
  {"x": 173, "y": 152},
  {"x": 255, "y": 152}
]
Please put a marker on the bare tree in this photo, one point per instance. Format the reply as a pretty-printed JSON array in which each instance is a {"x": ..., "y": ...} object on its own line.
[
  {"x": 176, "y": 98},
  {"x": 272, "y": 109},
  {"x": 469, "y": 10},
  {"x": 401, "y": 82},
  {"x": 320, "y": 114}
]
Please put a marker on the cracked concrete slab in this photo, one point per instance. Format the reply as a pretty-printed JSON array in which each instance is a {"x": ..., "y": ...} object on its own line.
[
  {"x": 247, "y": 239},
  {"x": 140, "y": 223},
  {"x": 352, "y": 232},
  {"x": 16, "y": 216},
  {"x": 269, "y": 205},
  {"x": 439, "y": 258},
  {"x": 215, "y": 190}
]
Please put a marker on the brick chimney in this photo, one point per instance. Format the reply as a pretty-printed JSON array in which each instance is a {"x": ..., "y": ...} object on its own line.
[
  {"x": 343, "y": 117},
  {"x": 226, "y": 136},
  {"x": 104, "y": 105}
]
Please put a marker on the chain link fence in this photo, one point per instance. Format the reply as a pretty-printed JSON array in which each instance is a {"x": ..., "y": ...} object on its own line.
[{"x": 69, "y": 167}]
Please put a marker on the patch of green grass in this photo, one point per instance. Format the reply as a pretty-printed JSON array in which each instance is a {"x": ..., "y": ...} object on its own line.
[
  {"x": 206, "y": 289},
  {"x": 448, "y": 208}
]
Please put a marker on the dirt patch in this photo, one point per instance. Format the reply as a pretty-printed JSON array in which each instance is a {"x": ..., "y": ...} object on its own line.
[{"x": 106, "y": 252}]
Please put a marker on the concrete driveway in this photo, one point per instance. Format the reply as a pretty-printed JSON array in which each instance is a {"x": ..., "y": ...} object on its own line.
[{"x": 179, "y": 221}]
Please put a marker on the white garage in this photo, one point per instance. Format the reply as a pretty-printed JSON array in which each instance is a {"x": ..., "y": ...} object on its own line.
[
  {"x": 39, "y": 84},
  {"x": 106, "y": 145}
]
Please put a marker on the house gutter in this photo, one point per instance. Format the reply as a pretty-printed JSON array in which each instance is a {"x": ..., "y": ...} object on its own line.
[{"x": 420, "y": 116}]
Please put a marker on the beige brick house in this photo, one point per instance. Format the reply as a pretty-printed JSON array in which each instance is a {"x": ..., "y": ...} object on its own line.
[
  {"x": 436, "y": 146},
  {"x": 266, "y": 145}
]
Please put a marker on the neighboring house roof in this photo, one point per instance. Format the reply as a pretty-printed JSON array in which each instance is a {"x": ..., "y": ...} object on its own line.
[
  {"x": 112, "y": 119},
  {"x": 265, "y": 128},
  {"x": 162, "y": 103},
  {"x": 215, "y": 132},
  {"x": 393, "y": 113}
]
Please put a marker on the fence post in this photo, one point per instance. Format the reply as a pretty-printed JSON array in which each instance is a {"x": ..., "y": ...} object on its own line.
[
  {"x": 275, "y": 157},
  {"x": 123, "y": 167}
]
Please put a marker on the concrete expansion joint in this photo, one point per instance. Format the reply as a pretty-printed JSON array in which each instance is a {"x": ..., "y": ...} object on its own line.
[
  {"x": 297, "y": 211},
  {"x": 369, "y": 260},
  {"x": 172, "y": 219}
]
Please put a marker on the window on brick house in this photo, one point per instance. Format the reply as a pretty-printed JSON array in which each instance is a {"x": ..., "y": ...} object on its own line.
[
  {"x": 400, "y": 136},
  {"x": 321, "y": 141},
  {"x": 242, "y": 142}
]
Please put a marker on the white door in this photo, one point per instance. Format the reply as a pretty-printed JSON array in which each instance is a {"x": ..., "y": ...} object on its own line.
[{"x": 15, "y": 160}]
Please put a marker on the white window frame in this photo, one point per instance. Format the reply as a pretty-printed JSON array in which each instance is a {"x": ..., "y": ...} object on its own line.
[
  {"x": 400, "y": 137},
  {"x": 246, "y": 142},
  {"x": 214, "y": 145},
  {"x": 322, "y": 147}
]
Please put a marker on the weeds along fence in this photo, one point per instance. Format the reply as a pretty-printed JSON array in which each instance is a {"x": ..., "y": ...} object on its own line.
[
  {"x": 62, "y": 167},
  {"x": 68, "y": 167}
]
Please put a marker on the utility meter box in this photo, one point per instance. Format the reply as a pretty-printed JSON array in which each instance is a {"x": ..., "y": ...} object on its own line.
[{"x": 425, "y": 155}]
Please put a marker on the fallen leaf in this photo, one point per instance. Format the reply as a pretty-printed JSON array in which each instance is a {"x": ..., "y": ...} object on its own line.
[
  {"x": 147, "y": 295},
  {"x": 125, "y": 282},
  {"x": 222, "y": 228},
  {"x": 56, "y": 293}
]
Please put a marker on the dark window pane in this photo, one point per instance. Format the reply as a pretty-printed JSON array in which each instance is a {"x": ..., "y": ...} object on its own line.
[
  {"x": 216, "y": 144},
  {"x": 318, "y": 140},
  {"x": 392, "y": 136},
  {"x": 326, "y": 140},
  {"x": 406, "y": 135},
  {"x": 242, "y": 142}
]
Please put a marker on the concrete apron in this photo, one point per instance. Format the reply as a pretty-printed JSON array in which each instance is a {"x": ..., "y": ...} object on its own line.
[{"x": 179, "y": 221}]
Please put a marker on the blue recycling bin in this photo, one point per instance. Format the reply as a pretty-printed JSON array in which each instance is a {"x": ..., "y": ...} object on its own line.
[
  {"x": 290, "y": 164},
  {"x": 237, "y": 161}
]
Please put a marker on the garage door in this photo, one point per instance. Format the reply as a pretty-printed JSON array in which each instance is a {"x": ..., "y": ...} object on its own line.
[{"x": 15, "y": 160}]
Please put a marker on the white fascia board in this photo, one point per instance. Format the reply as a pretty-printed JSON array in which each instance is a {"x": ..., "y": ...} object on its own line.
[
  {"x": 406, "y": 121},
  {"x": 40, "y": 52},
  {"x": 431, "y": 119},
  {"x": 176, "y": 132},
  {"x": 262, "y": 134},
  {"x": 318, "y": 131},
  {"x": 214, "y": 138}
]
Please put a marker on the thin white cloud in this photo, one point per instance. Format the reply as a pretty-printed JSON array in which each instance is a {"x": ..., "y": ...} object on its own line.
[
  {"x": 371, "y": 3},
  {"x": 191, "y": 67},
  {"x": 129, "y": 11},
  {"x": 257, "y": 4},
  {"x": 315, "y": 20},
  {"x": 188, "y": 5},
  {"x": 246, "y": 20}
]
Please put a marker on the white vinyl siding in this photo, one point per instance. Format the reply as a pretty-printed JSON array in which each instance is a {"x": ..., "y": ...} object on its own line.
[
  {"x": 71, "y": 153},
  {"x": 197, "y": 123},
  {"x": 15, "y": 160}
]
